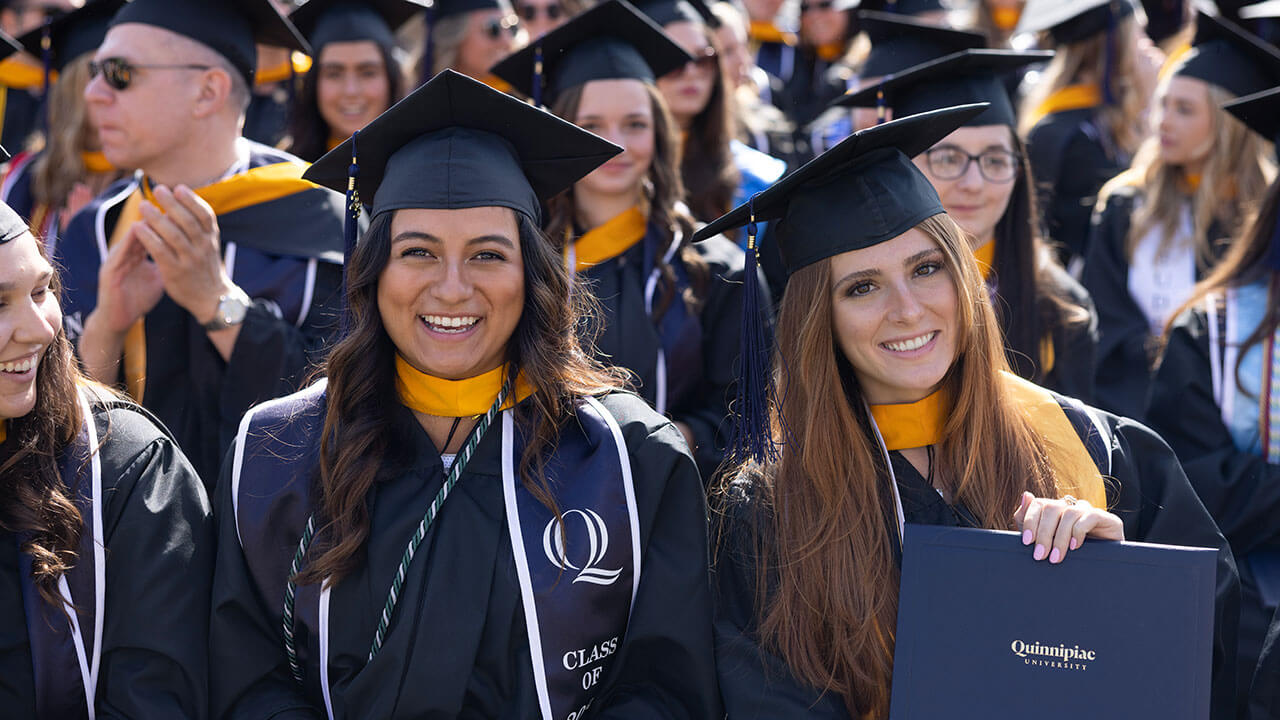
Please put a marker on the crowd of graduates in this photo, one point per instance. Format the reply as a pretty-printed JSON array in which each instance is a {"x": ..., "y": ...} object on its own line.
[{"x": 647, "y": 325}]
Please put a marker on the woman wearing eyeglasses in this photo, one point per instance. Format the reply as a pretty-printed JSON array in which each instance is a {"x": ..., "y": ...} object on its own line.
[
  {"x": 106, "y": 536},
  {"x": 670, "y": 309},
  {"x": 50, "y": 185},
  {"x": 894, "y": 405},
  {"x": 469, "y": 36},
  {"x": 981, "y": 175},
  {"x": 355, "y": 74},
  {"x": 1166, "y": 221}
]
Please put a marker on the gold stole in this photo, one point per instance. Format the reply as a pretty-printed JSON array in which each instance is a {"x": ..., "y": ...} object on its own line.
[
  {"x": 766, "y": 32},
  {"x": 468, "y": 397},
  {"x": 616, "y": 236},
  {"x": 1071, "y": 97},
  {"x": 297, "y": 64}
]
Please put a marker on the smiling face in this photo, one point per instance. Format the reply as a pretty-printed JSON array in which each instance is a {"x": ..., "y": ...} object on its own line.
[
  {"x": 452, "y": 292},
  {"x": 30, "y": 319},
  {"x": 973, "y": 201},
  {"x": 620, "y": 111},
  {"x": 1184, "y": 121},
  {"x": 352, "y": 86},
  {"x": 896, "y": 314},
  {"x": 688, "y": 89}
]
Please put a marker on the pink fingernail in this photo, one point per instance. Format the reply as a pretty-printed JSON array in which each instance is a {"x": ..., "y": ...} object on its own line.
[
  {"x": 1039, "y": 552},
  {"x": 1026, "y": 537},
  {"x": 1055, "y": 556},
  {"x": 1074, "y": 543}
]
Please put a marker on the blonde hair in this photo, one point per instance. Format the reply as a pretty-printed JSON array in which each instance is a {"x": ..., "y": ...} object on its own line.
[
  {"x": 1237, "y": 171},
  {"x": 61, "y": 166},
  {"x": 446, "y": 39},
  {"x": 1084, "y": 61}
]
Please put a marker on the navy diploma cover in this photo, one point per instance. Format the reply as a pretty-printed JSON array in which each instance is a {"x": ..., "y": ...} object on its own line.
[{"x": 1117, "y": 630}]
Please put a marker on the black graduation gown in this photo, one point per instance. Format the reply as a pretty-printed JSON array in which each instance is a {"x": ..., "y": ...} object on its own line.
[
  {"x": 700, "y": 377},
  {"x": 1150, "y": 494},
  {"x": 1073, "y": 346},
  {"x": 21, "y": 117},
  {"x": 1071, "y": 156},
  {"x": 1241, "y": 490},
  {"x": 159, "y": 536},
  {"x": 288, "y": 259},
  {"x": 1264, "y": 697},
  {"x": 458, "y": 647},
  {"x": 267, "y": 119}
]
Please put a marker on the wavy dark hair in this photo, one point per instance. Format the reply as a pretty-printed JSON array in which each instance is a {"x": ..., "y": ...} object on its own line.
[
  {"x": 1030, "y": 303},
  {"x": 35, "y": 503},
  {"x": 308, "y": 132},
  {"x": 362, "y": 398},
  {"x": 663, "y": 190},
  {"x": 707, "y": 167}
]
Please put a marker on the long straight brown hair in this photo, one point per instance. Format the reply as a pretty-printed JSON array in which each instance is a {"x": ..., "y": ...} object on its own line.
[{"x": 827, "y": 588}]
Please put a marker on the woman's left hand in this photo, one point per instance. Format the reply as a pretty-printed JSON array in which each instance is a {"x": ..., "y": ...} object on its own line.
[{"x": 1059, "y": 526}]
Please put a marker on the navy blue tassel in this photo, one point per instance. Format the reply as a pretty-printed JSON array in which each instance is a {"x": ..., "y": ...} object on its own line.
[
  {"x": 537, "y": 75},
  {"x": 752, "y": 434},
  {"x": 350, "y": 228}
]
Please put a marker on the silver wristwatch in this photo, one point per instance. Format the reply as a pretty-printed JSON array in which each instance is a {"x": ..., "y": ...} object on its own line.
[{"x": 232, "y": 308}]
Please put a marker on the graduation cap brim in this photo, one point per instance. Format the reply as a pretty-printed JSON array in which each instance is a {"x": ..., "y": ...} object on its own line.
[
  {"x": 666, "y": 12},
  {"x": 885, "y": 26},
  {"x": 910, "y": 135},
  {"x": 579, "y": 51},
  {"x": 552, "y": 154},
  {"x": 1057, "y": 17},
  {"x": 441, "y": 9},
  {"x": 1228, "y": 56},
  {"x": 73, "y": 34},
  {"x": 8, "y": 45},
  {"x": 12, "y": 226},
  {"x": 1268, "y": 9},
  {"x": 967, "y": 62},
  {"x": 325, "y": 21},
  {"x": 1261, "y": 112}
]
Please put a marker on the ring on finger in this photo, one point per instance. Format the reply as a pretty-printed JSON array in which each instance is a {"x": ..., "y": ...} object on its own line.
[{"x": 1069, "y": 500}]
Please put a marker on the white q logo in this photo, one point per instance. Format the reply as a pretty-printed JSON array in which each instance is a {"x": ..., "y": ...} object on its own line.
[{"x": 598, "y": 538}]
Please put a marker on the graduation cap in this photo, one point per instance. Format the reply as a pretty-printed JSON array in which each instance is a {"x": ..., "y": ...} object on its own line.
[
  {"x": 1261, "y": 112},
  {"x": 233, "y": 28},
  {"x": 1226, "y": 55},
  {"x": 969, "y": 76},
  {"x": 8, "y": 45},
  {"x": 12, "y": 226},
  {"x": 1267, "y": 9},
  {"x": 860, "y": 193},
  {"x": 440, "y": 9},
  {"x": 607, "y": 42},
  {"x": 665, "y": 12},
  {"x": 71, "y": 35},
  {"x": 906, "y": 7},
  {"x": 899, "y": 42},
  {"x": 1070, "y": 21},
  {"x": 324, "y": 21}
]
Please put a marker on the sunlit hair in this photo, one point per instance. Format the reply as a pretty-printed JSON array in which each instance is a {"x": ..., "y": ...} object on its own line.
[
  {"x": 662, "y": 191},
  {"x": 1236, "y": 172},
  {"x": 447, "y": 35},
  {"x": 309, "y": 134},
  {"x": 1245, "y": 263},
  {"x": 360, "y": 441},
  {"x": 1086, "y": 61},
  {"x": 35, "y": 502},
  {"x": 707, "y": 166},
  {"x": 60, "y": 166},
  {"x": 827, "y": 586}
]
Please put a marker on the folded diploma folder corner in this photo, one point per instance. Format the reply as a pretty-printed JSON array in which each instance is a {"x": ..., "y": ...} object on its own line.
[{"x": 1117, "y": 630}]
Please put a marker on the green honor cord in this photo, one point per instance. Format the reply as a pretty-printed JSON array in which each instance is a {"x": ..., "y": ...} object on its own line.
[{"x": 393, "y": 596}]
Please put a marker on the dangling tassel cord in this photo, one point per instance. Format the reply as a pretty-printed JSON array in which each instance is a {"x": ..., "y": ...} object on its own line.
[
  {"x": 350, "y": 229},
  {"x": 752, "y": 434}
]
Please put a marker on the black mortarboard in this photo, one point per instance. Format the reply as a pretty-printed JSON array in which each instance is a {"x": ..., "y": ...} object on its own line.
[
  {"x": 441, "y": 9},
  {"x": 607, "y": 42},
  {"x": 899, "y": 42},
  {"x": 1258, "y": 11},
  {"x": 665, "y": 12},
  {"x": 457, "y": 143},
  {"x": 324, "y": 21},
  {"x": 11, "y": 224},
  {"x": 970, "y": 76},
  {"x": 73, "y": 34},
  {"x": 906, "y": 7},
  {"x": 860, "y": 193},
  {"x": 1230, "y": 57},
  {"x": 8, "y": 45},
  {"x": 1070, "y": 21},
  {"x": 1261, "y": 112},
  {"x": 233, "y": 28}
]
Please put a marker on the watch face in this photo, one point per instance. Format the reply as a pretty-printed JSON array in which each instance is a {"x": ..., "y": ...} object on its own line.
[{"x": 235, "y": 310}]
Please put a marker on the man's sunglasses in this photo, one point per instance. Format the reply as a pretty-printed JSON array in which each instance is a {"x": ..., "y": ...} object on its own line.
[
  {"x": 118, "y": 72},
  {"x": 819, "y": 5},
  {"x": 529, "y": 13},
  {"x": 496, "y": 28}
]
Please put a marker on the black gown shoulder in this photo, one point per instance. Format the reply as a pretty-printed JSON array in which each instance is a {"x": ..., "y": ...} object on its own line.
[
  {"x": 1074, "y": 346},
  {"x": 1071, "y": 158}
]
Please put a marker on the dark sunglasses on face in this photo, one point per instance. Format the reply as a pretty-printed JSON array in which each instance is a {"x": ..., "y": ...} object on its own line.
[
  {"x": 529, "y": 13},
  {"x": 706, "y": 59},
  {"x": 494, "y": 29},
  {"x": 118, "y": 72},
  {"x": 819, "y": 5}
]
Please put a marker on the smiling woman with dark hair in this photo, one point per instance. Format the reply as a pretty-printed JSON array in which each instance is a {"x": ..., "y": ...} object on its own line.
[
  {"x": 106, "y": 537},
  {"x": 466, "y": 519}
]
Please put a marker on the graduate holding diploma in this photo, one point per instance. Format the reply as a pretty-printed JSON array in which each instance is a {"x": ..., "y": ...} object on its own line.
[{"x": 892, "y": 402}]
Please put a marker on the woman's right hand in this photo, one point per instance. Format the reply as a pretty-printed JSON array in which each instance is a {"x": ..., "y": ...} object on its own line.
[{"x": 1059, "y": 526}]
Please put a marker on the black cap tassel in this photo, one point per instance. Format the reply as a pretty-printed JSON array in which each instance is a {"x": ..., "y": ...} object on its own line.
[
  {"x": 752, "y": 434},
  {"x": 350, "y": 227}
]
